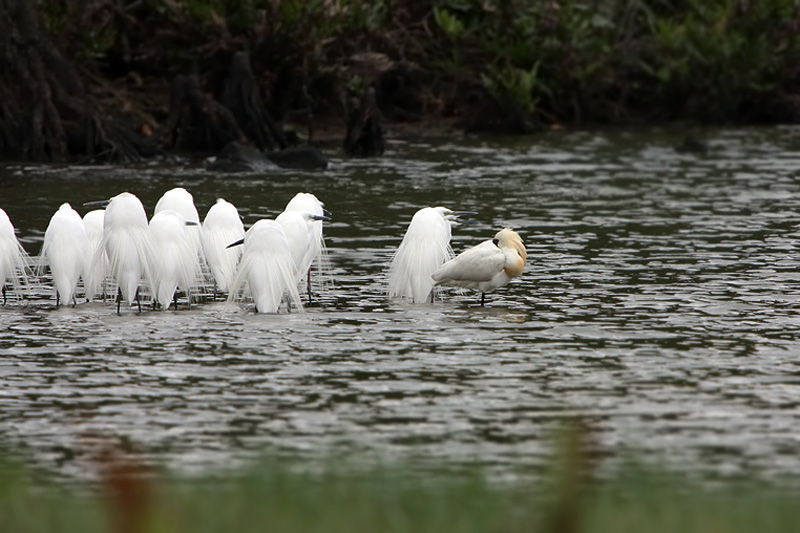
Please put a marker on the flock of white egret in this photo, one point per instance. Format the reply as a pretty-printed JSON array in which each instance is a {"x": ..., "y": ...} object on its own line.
[{"x": 116, "y": 246}]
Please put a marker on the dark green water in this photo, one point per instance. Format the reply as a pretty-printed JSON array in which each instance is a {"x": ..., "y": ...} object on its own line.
[{"x": 659, "y": 302}]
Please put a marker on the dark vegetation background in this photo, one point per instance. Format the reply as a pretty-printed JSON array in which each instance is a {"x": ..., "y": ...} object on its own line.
[{"x": 511, "y": 66}]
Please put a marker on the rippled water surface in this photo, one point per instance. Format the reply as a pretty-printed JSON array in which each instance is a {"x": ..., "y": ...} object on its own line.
[{"x": 659, "y": 301}]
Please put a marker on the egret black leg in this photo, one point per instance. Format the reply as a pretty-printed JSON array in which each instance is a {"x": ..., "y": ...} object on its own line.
[
  {"x": 431, "y": 296},
  {"x": 119, "y": 298},
  {"x": 4, "y": 295},
  {"x": 175, "y": 299},
  {"x": 483, "y": 299},
  {"x": 138, "y": 302},
  {"x": 58, "y": 301},
  {"x": 308, "y": 284}
]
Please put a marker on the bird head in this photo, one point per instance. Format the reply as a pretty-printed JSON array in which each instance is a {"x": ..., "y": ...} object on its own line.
[
  {"x": 508, "y": 238},
  {"x": 453, "y": 217}
]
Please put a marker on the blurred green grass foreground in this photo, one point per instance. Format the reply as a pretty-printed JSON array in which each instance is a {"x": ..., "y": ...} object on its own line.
[{"x": 283, "y": 496}]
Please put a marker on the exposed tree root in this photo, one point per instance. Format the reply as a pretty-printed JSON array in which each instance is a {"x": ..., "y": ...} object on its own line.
[
  {"x": 45, "y": 112},
  {"x": 364, "y": 136}
]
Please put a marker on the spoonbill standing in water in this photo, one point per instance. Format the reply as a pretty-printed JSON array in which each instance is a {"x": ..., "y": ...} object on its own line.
[
  {"x": 266, "y": 268},
  {"x": 424, "y": 248},
  {"x": 13, "y": 258},
  {"x": 126, "y": 241},
  {"x": 487, "y": 266},
  {"x": 68, "y": 252}
]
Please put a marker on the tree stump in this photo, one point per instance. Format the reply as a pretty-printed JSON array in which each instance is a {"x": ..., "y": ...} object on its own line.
[
  {"x": 46, "y": 113},
  {"x": 243, "y": 97},
  {"x": 197, "y": 123},
  {"x": 364, "y": 136}
]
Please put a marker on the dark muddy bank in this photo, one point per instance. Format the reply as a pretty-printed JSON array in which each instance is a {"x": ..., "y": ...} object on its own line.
[{"x": 124, "y": 79}]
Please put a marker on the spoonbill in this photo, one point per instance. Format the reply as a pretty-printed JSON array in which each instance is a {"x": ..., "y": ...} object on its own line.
[{"x": 487, "y": 266}]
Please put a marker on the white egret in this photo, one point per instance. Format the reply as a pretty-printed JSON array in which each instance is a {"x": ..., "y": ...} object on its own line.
[
  {"x": 67, "y": 250},
  {"x": 181, "y": 200},
  {"x": 174, "y": 262},
  {"x": 127, "y": 244},
  {"x": 14, "y": 259},
  {"x": 300, "y": 230},
  {"x": 221, "y": 227},
  {"x": 95, "y": 276},
  {"x": 305, "y": 202},
  {"x": 266, "y": 268},
  {"x": 487, "y": 266},
  {"x": 424, "y": 248}
]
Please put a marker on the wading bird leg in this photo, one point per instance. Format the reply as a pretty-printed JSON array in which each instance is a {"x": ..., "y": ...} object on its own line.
[
  {"x": 119, "y": 298},
  {"x": 175, "y": 299},
  {"x": 4, "y": 295},
  {"x": 57, "y": 300},
  {"x": 154, "y": 305},
  {"x": 483, "y": 298},
  {"x": 138, "y": 302},
  {"x": 308, "y": 285}
]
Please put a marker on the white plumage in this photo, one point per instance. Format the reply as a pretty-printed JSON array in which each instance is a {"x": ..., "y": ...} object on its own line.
[
  {"x": 487, "y": 266},
  {"x": 221, "y": 227},
  {"x": 181, "y": 200},
  {"x": 424, "y": 248},
  {"x": 300, "y": 230},
  {"x": 174, "y": 262},
  {"x": 13, "y": 258},
  {"x": 266, "y": 269},
  {"x": 304, "y": 202},
  {"x": 126, "y": 241},
  {"x": 67, "y": 251},
  {"x": 98, "y": 267}
]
